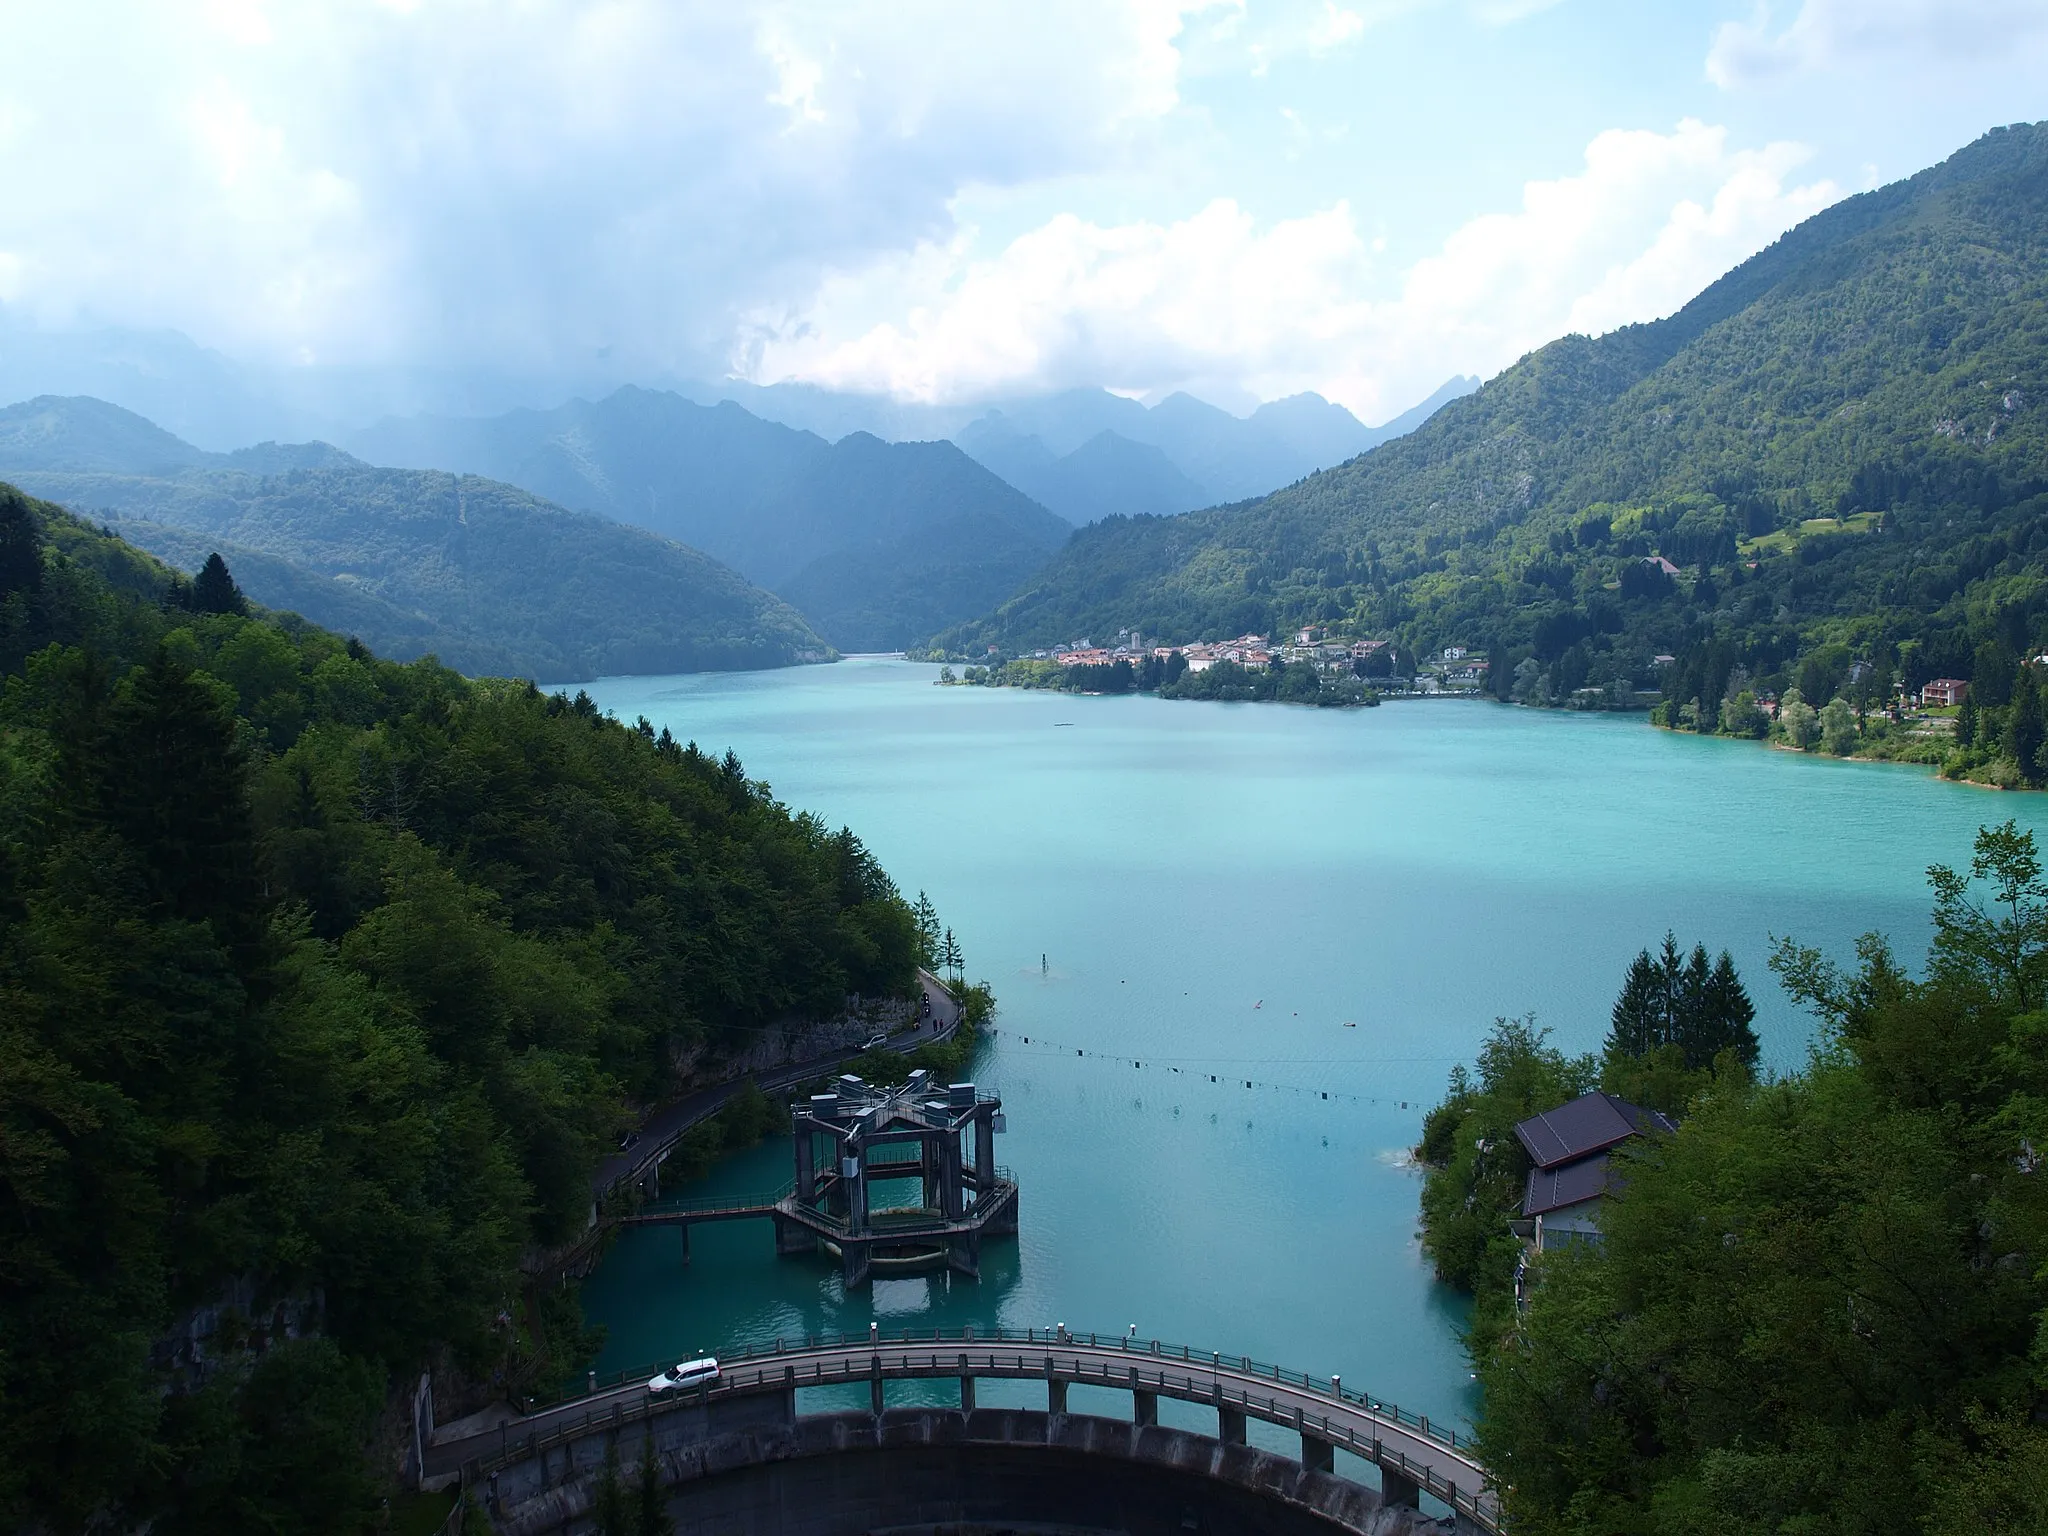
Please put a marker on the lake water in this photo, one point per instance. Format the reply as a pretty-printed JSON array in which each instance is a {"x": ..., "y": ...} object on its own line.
[{"x": 1218, "y": 889}]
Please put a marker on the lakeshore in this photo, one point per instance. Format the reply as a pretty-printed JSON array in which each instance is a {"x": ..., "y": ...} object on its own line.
[{"x": 1213, "y": 886}]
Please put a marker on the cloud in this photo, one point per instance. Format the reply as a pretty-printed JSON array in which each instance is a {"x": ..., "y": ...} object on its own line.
[
  {"x": 523, "y": 181},
  {"x": 1836, "y": 33},
  {"x": 1505, "y": 13},
  {"x": 1334, "y": 28},
  {"x": 1217, "y": 300}
]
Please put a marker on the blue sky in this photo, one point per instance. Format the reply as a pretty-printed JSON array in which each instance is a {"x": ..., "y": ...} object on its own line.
[{"x": 952, "y": 201}]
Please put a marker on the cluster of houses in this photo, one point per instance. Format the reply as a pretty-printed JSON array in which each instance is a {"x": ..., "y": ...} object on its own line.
[{"x": 1458, "y": 668}]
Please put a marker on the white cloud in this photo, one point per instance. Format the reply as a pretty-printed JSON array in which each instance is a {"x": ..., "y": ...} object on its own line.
[
  {"x": 1334, "y": 28},
  {"x": 1836, "y": 33},
  {"x": 1505, "y": 13},
  {"x": 1216, "y": 300},
  {"x": 522, "y": 181}
]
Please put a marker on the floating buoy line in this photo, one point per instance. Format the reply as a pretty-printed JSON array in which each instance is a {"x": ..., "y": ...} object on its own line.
[{"x": 1196, "y": 1069}]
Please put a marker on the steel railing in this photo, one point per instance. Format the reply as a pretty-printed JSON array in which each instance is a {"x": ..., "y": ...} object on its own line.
[{"x": 714, "y": 1204}]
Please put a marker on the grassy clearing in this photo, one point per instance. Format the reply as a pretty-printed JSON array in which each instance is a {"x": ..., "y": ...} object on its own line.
[{"x": 1784, "y": 540}]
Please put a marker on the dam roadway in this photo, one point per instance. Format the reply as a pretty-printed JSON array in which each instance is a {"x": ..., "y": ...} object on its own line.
[{"x": 539, "y": 1470}]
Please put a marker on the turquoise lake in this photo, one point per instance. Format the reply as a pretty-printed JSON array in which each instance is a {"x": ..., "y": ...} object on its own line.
[{"x": 1218, "y": 888}]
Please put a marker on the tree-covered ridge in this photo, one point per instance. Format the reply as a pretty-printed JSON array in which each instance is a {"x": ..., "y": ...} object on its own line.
[
  {"x": 488, "y": 578},
  {"x": 877, "y": 543},
  {"x": 324, "y": 981},
  {"x": 1675, "y": 1023},
  {"x": 1841, "y": 441},
  {"x": 1821, "y": 1304}
]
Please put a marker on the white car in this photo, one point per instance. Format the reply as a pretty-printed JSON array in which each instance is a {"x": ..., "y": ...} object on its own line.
[
  {"x": 690, "y": 1373},
  {"x": 875, "y": 1042}
]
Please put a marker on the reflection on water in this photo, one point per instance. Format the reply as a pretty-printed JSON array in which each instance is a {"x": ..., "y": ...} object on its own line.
[{"x": 734, "y": 1294}]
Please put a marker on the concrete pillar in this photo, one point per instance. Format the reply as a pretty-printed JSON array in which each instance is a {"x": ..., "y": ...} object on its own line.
[
  {"x": 853, "y": 1263},
  {"x": 1317, "y": 1454},
  {"x": 1398, "y": 1490},
  {"x": 1229, "y": 1425},
  {"x": 875, "y": 1386},
  {"x": 1144, "y": 1407},
  {"x": 684, "y": 1226},
  {"x": 966, "y": 1388},
  {"x": 985, "y": 1147},
  {"x": 1055, "y": 1395},
  {"x": 956, "y": 1173},
  {"x": 788, "y": 1394},
  {"x": 806, "y": 1167}
]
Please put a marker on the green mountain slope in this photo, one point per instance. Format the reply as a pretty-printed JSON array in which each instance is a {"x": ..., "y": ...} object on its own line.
[
  {"x": 783, "y": 507},
  {"x": 326, "y": 984},
  {"x": 490, "y": 578},
  {"x": 1842, "y": 443}
]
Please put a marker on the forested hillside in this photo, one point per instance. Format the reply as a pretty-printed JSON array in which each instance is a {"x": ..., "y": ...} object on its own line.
[
  {"x": 1842, "y": 446},
  {"x": 324, "y": 981},
  {"x": 1821, "y": 1304},
  {"x": 838, "y": 528},
  {"x": 487, "y": 577}
]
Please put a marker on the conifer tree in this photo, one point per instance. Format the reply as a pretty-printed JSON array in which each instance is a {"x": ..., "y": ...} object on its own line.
[
  {"x": 214, "y": 590},
  {"x": 1698, "y": 1006},
  {"x": 2024, "y": 731},
  {"x": 21, "y": 560},
  {"x": 166, "y": 773},
  {"x": 1728, "y": 1013},
  {"x": 926, "y": 917},
  {"x": 652, "y": 1508},
  {"x": 613, "y": 1517},
  {"x": 1639, "y": 1013}
]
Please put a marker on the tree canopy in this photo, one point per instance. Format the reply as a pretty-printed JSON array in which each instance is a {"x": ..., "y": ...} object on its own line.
[
  {"x": 1822, "y": 1305},
  {"x": 325, "y": 982}
]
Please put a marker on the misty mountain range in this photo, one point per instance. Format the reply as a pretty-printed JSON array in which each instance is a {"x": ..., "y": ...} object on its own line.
[
  {"x": 877, "y": 544},
  {"x": 488, "y": 577}
]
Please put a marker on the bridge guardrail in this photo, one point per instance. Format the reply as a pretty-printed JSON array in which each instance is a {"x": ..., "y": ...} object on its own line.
[
  {"x": 755, "y": 1372},
  {"x": 1058, "y": 1339}
]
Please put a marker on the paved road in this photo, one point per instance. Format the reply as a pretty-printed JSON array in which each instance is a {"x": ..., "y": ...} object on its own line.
[
  {"x": 1375, "y": 1430},
  {"x": 666, "y": 1126}
]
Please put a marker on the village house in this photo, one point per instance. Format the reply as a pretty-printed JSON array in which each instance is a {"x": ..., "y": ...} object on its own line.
[
  {"x": 1247, "y": 651},
  {"x": 1570, "y": 1148},
  {"x": 1942, "y": 692}
]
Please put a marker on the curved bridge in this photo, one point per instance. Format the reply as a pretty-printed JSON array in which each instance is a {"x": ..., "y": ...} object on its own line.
[{"x": 540, "y": 1472}]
